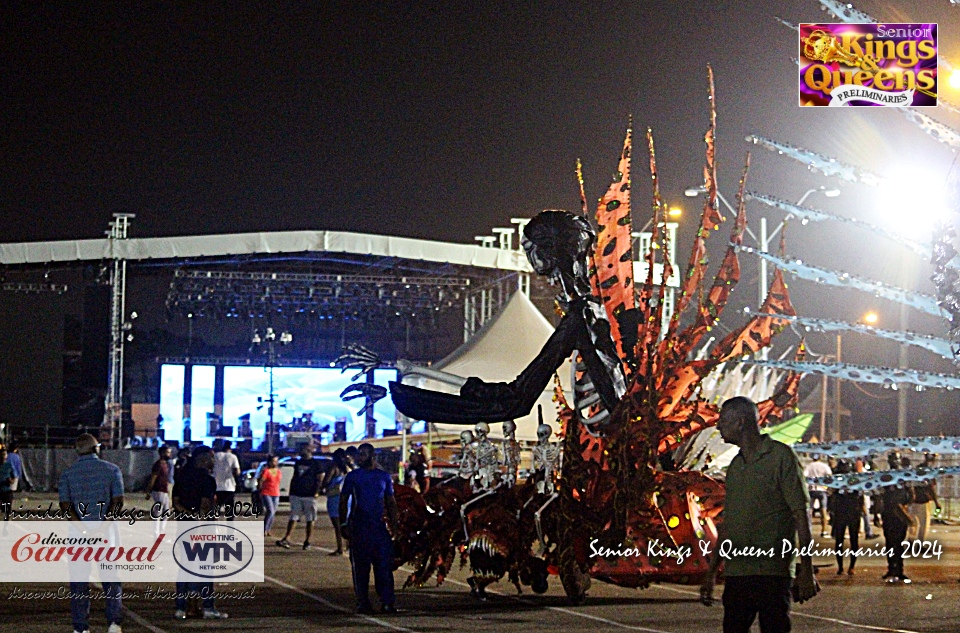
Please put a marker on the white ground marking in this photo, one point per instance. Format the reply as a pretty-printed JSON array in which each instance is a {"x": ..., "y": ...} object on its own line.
[
  {"x": 332, "y": 605},
  {"x": 799, "y": 614},
  {"x": 587, "y": 616}
]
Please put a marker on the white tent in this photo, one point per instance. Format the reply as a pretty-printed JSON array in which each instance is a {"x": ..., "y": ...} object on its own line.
[{"x": 498, "y": 352}]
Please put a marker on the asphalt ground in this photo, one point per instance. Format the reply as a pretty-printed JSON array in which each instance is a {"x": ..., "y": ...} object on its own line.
[{"x": 311, "y": 591}]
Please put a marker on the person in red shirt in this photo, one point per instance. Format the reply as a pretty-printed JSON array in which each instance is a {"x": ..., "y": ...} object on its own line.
[{"x": 269, "y": 487}]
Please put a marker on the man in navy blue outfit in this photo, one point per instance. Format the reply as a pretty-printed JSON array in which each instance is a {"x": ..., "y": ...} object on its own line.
[
  {"x": 367, "y": 493},
  {"x": 89, "y": 490}
]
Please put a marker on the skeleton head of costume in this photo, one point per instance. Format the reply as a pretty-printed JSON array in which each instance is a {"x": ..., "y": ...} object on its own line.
[
  {"x": 544, "y": 431},
  {"x": 466, "y": 437},
  {"x": 557, "y": 244},
  {"x": 481, "y": 430},
  {"x": 509, "y": 428}
]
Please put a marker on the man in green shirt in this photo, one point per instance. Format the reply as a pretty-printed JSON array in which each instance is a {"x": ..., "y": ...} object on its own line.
[{"x": 766, "y": 505}]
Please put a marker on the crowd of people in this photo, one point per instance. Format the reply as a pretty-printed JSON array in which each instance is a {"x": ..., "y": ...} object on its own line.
[
  {"x": 768, "y": 499},
  {"x": 903, "y": 512}
]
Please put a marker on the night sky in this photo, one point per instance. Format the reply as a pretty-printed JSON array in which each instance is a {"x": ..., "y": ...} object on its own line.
[{"x": 423, "y": 120}]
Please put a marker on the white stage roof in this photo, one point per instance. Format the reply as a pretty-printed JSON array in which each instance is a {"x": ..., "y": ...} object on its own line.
[{"x": 235, "y": 244}]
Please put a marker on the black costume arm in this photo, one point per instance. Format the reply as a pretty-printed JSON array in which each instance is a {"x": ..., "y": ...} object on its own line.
[{"x": 481, "y": 401}]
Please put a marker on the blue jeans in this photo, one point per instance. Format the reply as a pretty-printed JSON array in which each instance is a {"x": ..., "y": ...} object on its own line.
[
  {"x": 202, "y": 589},
  {"x": 269, "y": 510},
  {"x": 80, "y": 604}
]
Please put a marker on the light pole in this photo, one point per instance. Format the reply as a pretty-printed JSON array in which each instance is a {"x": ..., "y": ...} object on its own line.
[
  {"x": 763, "y": 242},
  {"x": 271, "y": 339}
]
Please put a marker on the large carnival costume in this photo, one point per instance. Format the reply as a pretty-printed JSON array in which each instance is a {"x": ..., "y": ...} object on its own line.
[{"x": 635, "y": 398}]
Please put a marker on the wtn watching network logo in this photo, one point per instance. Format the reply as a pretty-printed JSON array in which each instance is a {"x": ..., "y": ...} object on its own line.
[{"x": 213, "y": 551}]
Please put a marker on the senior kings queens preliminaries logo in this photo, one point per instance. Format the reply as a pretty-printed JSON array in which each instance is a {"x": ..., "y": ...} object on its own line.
[{"x": 868, "y": 65}]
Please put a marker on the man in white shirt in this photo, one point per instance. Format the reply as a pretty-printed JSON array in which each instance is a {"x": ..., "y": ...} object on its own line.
[
  {"x": 226, "y": 469},
  {"x": 818, "y": 494}
]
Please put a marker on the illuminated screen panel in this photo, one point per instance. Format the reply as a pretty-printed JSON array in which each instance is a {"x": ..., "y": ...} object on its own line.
[
  {"x": 301, "y": 390},
  {"x": 171, "y": 400},
  {"x": 202, "y": 379}
]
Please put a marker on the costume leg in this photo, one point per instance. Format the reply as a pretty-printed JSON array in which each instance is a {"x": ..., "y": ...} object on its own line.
[
  {"x": 536, "y": 517},
  {"x": 739, "y": 604},
  {"x": 463, "y": 510},
  {"x": 773, "y": 595},
  {"x": 360, "y": 564}
]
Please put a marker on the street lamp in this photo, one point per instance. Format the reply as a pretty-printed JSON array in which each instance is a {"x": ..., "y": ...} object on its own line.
[
  {"x": 271, "y": 354},
  {"x": 763, "y": 242}
]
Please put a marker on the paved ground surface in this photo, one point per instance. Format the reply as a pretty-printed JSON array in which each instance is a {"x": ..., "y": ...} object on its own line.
[{"x": 311, "y": 591}]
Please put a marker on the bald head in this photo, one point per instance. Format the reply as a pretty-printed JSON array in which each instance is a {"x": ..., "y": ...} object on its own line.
[
  {"x": 87, "y": 444},
  {"x": 739, "y": 420}
]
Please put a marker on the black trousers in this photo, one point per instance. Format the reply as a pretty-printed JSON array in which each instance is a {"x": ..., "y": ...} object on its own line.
[
  {"x": 6, "y": 503},
  {"x": 853, "y": 528},
  {"x": 225, "y": 501},
  {"x": 894, "y": 533},
  {"x": 746, "y": 597}
]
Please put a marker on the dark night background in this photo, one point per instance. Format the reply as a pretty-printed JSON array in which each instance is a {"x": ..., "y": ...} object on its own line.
[{"x": 430, "y": 122}]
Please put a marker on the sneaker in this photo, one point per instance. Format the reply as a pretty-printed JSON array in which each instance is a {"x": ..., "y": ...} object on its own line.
[
  {"x": 389, "y": 609},
  {"x": 306, "y": 546},
  {"x": 366, "y": 610},
  {"x": 283, "y": 543},
  {"x": 870, "y": 537},
  {"x": 336, "y": 552},
  {"x": 213, "y": 614},
  {"x": 114, "y": 628},
  {"x": 179, "y": 614},
  {"x": 905, "y": 580}
]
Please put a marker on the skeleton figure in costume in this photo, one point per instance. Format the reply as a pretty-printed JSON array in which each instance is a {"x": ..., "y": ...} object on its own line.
[
  {"x": 546, "y": 458},
  {"x": 488, "y": 462},
  {"x": 511, "y": 452},
  {"x": 467, "y": 459}
]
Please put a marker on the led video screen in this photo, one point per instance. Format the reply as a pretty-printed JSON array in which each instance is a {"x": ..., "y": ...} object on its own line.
[{"x": 298, "y": 390}]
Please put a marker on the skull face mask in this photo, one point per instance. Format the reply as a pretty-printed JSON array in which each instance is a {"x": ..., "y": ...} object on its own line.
[{"x": 544, "y": 431}]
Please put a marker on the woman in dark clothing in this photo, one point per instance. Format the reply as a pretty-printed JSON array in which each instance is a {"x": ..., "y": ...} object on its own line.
[
  {"x": 331, "y": 487},
  {"x": 846, "y": 508}
]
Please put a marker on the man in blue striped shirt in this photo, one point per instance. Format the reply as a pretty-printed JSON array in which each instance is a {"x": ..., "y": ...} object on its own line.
[{"x": 88, "y": 490}]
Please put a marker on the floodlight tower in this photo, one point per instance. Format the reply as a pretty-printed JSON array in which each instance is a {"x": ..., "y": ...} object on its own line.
[
  {"x": 119, "y": 328},
  {"x": 271, "y": 339}
]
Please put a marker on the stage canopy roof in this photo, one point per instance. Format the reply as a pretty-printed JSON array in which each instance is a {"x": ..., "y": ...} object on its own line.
[{"x": 280, "y": 242}]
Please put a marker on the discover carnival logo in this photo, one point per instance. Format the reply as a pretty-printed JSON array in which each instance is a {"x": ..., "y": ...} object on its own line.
[
  {"x": 868, "y": 65},
  {"x": 213, "y": 551},
  {"x": 139, "y": 551}
]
